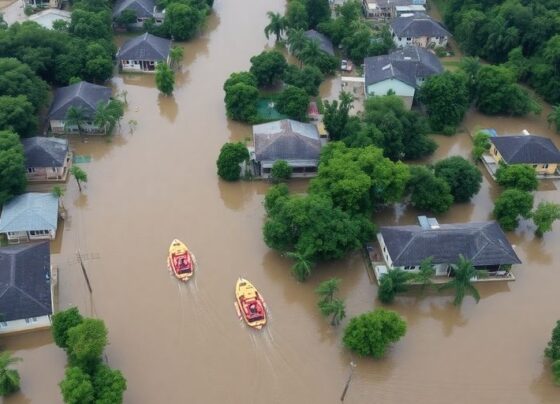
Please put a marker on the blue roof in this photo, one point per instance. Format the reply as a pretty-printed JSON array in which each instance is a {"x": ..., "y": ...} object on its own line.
[{"x": 31, "y": 211}]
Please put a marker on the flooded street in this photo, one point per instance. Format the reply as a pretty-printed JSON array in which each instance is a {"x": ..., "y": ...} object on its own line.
[{"x": 179, "y": 343}]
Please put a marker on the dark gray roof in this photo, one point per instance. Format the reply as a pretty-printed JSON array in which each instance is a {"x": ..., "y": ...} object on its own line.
[
  {"x": 484, "y": 244},
  {"x": 43, "y": 151},
  {"x": 143, "y": 8},
  {"x": 25, "y": 289},
  {"x": 324, "y": 42},
  {"x": 145, "y": 47},
  {"x": 406, "y": 64},
  {"x": 83, "y": 94},
  {"x": 418, "y": 25},
  {"x": 526, "y": 149},
  {"x": 286, "y": 140}
]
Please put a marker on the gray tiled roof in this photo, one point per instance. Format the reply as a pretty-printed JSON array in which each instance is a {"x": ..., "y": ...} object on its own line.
[
  {"x": 83, "y": 95},
  {"x": 43, "y": 151},
  {"x": 526, "y": 149},
  {"x": 324, "y": 42},
  {"x": 484, "y": 244},
  {"x": 406, "y": 64},
  {"x": 286, "y": 140},
  {"x": 25, "y": 289},
  {"x": 418, "y": 25},
  {"x": 145, "y": 47},
  {"x": 143, "y": 8},
  {"x": 30, "y": 211}
]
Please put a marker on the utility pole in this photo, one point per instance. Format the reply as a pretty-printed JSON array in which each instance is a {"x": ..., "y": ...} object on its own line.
[
  {"x": 84, "y": 272},
  {"x": 352, "y": 366}
]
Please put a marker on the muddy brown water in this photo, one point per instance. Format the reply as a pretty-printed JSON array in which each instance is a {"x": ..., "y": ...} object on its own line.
[{"x": 179, "y": 343}]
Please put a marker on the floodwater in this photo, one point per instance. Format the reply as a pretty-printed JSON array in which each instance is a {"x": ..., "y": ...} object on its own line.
[{"x": 179, "y": 343}]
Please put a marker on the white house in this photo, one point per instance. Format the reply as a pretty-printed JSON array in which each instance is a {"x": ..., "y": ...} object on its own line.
[
  {"x": 419, "y": 30},
  {"x": 30, "y": 216},
  {"x": 26, "y": 288}
]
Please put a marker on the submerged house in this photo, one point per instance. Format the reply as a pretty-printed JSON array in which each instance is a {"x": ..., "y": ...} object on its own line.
[
  {"x": 46, "y": 158},
  {"x": 83, "y": 96},
  {"x": 42, "y": 3},
  {"x": 143, "y": 53},
  {"x": 324, "y": 42},
  {"x": 26, "y": 288},
  {"x": 30, "y": 216},
  {"x": 143, "y": 10},
  {"x": 484, "y": 244},
  {"x": 387, "y": 9},
  {"x": 419, "y": 30},
  {"x": 295, "y": 142},
  {"x": 402, "y": 71},
  {"x": 537, "y": 151}
]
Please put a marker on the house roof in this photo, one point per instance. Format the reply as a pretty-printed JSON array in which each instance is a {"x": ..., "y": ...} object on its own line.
[
  {"x": 418, "y": 25},
  {"x": 286, "y": 140},
  {"x": 145, "y": 47},
  {"x": 43, "y": 151},
  {"x": 484, "y": 244},
  {"x": 31, "y": 211},
  {"x": 143, "y": 8},
  {"x": 47, "y": 17},
  {"x": 83, "y": 94},
  {"x": 526, "y": 149},
  {"x": 406, "y": 64},
  {"x": 25, "y": 289},
  {"x": 324, "y": 42}
]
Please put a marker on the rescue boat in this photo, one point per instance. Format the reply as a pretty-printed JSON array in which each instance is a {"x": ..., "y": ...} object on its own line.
[
  {"x": 250, "y": 304},
  {"x": 180, "y": 261}
]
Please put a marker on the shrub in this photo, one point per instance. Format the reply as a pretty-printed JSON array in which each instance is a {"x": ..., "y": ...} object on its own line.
[
  {"x": 510, "y": 205},
  {"x": 231, "y": 155},
  {"x": 281, "y": 171},
  {"x": 518, "y": 176},
  {"x": 481, "y": 144},
  {"x": 62, "y": 322}
]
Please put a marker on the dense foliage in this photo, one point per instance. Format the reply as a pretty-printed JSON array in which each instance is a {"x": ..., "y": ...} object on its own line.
[
  {"x": 183, "y": 19},
  {"x": 280, "y": 171},
  {"x": 552, "y": 352},
  {"x": 428, "y": 192},
  {"x": 268, "y": 67},
  {"x": 9, "y": 378},
  {"x": 544, "y": 216},
  {"x": 229, "y": 160},
  {"x": 371, "y": 334},
  {"x": 463, "y": 274},
  {"x": 293, "y": 102},
  {"x": 463, "y": 177},
  {"x": 165, "y": 78},
  {"x": 308, "y": 78},
  {"x": 17, "y": 114},
  {"x": 241, "y": 102},
  {"x": 481, "y": 144},
  {"x": 18, "y": 80},
  {"x": 329, "y": 305},
  {"x": 519, "y": 176},
  {"x": 393, "y": 282},
  {"x": 510, "y": 205},
  {"x": 12, "y": 166},
  {"x": 62, "y": 322},
  {"x": 336, "y": 116}
]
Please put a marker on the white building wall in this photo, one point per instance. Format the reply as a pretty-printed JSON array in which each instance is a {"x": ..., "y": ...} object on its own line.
[{"x": 25, "y": 325}]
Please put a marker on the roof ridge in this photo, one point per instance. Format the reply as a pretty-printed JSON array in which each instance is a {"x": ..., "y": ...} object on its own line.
[{"x": 23, "y": 292}]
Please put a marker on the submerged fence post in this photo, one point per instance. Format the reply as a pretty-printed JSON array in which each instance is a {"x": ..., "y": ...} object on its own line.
[{"x": 352, "y": 366}]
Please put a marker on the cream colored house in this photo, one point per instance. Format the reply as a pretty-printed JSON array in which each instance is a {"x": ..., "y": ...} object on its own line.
[
  {"x": 537, "y": 151},
  {"x": 419, "y": 30},
  {"x": 46, "y": 158}
]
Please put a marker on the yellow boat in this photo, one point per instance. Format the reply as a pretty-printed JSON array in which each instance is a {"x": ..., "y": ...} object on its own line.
[
  {"x": 250, "y": 304},
  {"x": 180, "y": 261}
]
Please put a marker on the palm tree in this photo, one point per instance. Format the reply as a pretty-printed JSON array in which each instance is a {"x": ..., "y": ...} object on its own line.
[
  {"x": 276, "y": 26},
  {"x": 58, "y": 191},
  {"x": 311, "y": 52},
  {"x": 465, "y": 272},
  {"x": 9, "y": 378},
  {"x": 107, "y": 115},
  {"x": 327, "y": 289},
  {"x": 393, "y": 282},
  {"x": 554, "y": 117},
  {"x": 302, "y": 267},
  {"x": 80, "y": 176},
  {"x": 425, "y": 275},
  {"x": 75, "y": 116},
  {"x": 335, "y": 308},
  {"x": 297, "y": 41}
]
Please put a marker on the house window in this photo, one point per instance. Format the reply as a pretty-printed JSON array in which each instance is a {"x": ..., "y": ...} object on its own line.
[
  {"x": 30, "y": 169},
  {"x": 545, "y": 166},
  {"x": 31, "y": 320},
  {"x": 495, "y": 152},
  {"x": 408, "y": 39},
  {"x": 39, "y": 232}
]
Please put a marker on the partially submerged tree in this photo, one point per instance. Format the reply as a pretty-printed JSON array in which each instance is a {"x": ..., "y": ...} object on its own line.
[
  {"x": 544, "y": 216},
  {"x": 336, "y": 115},
  {"x": 428, "y": 192},
  {"x": 481, "y": 144},
  {"x": 9, "y": 378},
  {"x": 229, "y": 160},
  {"x": 463, "y": 178},
  {"x": 425, "y": 274},
  {"x": 12, "y": 166},
  {"x": 327, "y": 289},
  {"x": 280, "y": 171},
  {"x": 165, "y": 79},
  {"x": 76, "y": 387},
  {"x": 108, "y": 115},
  {"x": 517, "y": 176},
  {"x": 75, "y": 117},
  {"x": 276, "y": 26},
  {"x": 301, "y": 269},
  {"x": 293, "y": 102},
  {"x": 241, "y": 102},
  {"x": 176, "y": 56},
  {"x": 62, "y": 321},
  {"x": 268, "y": 67},
  {"x": 463, "y": 274},
  {"x": 552, "y": 352},
  {"x": 393, "y": 282},
  {"x": 80, "y": 175},
  {"x": 86, "y": 342},
  {"x": 335, "y": 308},
  {"x": 510, "y": 205}
]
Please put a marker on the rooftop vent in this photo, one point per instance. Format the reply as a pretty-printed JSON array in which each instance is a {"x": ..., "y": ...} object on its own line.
[
  {"x": 525, "y": 132},
  {"x": 407, "y": 58},
  {"x": 386, "y": 67}
]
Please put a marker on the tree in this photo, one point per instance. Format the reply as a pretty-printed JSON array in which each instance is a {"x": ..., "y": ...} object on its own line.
[
  {"x": 176, "y": 55},
  {"x": 511, "y": 204},
  {"x": 9, "y": 378},
  {"x": 296, "y": 15},
  {"x": 297, "y": 40},
  {"x": 99, "y": 65},
  {"x": 86, "y": 342},
  {"x": 446, "y": 97},
  {"x": 165, "y": 79},
  {"x": 393, "y": 282},
  {"x": 371, "y": 334},
  {"x": 17, "y": 78},
  {"x": 281, "y": 171},
  {"x": 317, "y": 11},
  {"x": 126, "y": 18},
  {"x": 425, "y": 274},
  {"x": 75, "y": 118},
  {"x": 556, "y": 371},
  {"x": 268, "y": 67},
  {"x": 241, "y": 102},
  {"x": 544, "y": 216},
  {"x": 428, "y": 192},
  {"x": 463, "y": 178},
  {"x": 12, "y": 166},
  {"x": 302, "y": 265},
  {"x": 62, "y": 322},
  {"x": 518, "y": 176},
  {"x": 554, "y": 117},
  {"x": 552, "y": 350},
  {"x": 108, "y": 115},
  {"x": 336, "y": 115},
  {"x": 17, "y": 114},
  {"x": 109, "y": 385},
  {"x": 240, "y": 77},
  {"x": 229, "y": 160},
  {"x": 293, "y": 102},
  {"x": 79, "y": 174},
  {"x": 309, "y": 78},
  {"x": 76, "y": 387},
  {"x": 58, "y": 192},
  {"x": 463, "y": 274},
  {"x": 327, "y": 289},
  {"x": 183, "y": 20},
  {"x": 481, "y": 144},
  {"x": 335, "y": 308},
  {"x": 276, "y": 26}
]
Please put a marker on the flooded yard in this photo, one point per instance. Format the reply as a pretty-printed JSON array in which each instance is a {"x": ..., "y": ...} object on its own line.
[{"x": 179, "y": 343}]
